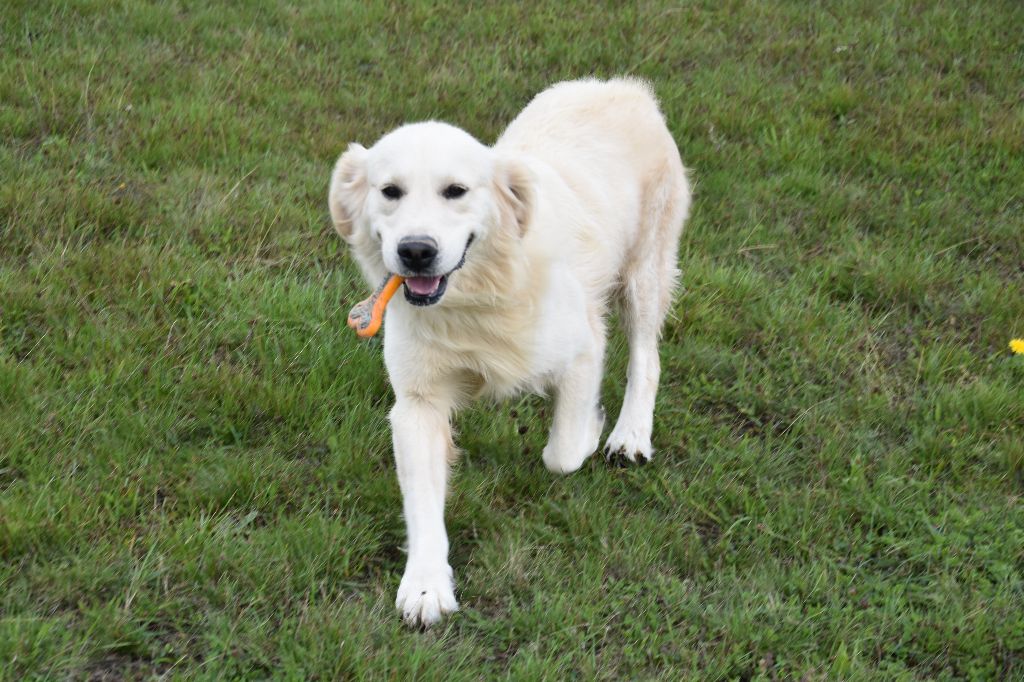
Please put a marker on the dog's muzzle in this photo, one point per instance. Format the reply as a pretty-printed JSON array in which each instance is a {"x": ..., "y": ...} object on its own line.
[{"x": 425, "y": 290}]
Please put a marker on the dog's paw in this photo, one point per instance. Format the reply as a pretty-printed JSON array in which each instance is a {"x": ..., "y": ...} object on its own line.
[
  {"x": 426, "y": 595},
  {"x": 626, "y": 446},
  {"x": 559, "y": 462},
  {"x": 563, "y": 457}
]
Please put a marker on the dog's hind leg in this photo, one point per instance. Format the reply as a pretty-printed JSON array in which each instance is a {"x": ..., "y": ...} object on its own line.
[{"x": 648, "y": 283}]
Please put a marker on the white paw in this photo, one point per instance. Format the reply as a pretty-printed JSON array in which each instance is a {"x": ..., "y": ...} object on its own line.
[
  {"x": 425, "y": 595},
  {"x": 560, "y": 462},
  {"x": 628, "y": 444},
  {"x": 563, "y": 457}
]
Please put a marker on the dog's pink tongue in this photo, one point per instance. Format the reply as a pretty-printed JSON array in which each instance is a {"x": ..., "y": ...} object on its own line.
[{"x": 422, "y": 286}]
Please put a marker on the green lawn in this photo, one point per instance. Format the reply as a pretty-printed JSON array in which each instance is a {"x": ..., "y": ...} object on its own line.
[{"x": 195, "y": 467}]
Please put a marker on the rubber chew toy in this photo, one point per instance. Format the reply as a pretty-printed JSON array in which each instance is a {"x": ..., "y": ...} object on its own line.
[{"x": 367, "y": 315}]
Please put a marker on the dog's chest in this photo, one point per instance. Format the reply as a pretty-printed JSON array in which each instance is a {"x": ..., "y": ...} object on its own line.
[{"x": 488, "y": 355}]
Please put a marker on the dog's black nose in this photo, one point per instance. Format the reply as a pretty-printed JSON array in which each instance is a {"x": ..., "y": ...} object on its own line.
[{"x": 417, "y": 253}]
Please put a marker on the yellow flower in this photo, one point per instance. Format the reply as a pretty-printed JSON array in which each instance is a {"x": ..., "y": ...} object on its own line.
[{"x": 1017, "y": 346}]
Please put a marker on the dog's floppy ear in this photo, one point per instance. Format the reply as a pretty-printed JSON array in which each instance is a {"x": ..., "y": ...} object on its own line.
[
  {"x": 348, "y": 189},
  {"x": 514, "y": 189}
]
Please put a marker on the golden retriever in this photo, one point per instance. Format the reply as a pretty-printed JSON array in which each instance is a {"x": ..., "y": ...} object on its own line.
[{"x": 512, "y": 255}]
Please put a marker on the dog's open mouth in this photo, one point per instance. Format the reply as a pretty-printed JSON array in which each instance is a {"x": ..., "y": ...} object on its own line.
[{"x": 424, "y": 291}]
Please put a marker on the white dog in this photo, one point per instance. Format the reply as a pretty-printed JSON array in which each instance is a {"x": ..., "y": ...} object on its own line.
[{"x": 511, "y": 255}]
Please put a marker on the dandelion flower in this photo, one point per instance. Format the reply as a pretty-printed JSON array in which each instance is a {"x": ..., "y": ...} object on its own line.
[{"x": 1017, "y": 346}]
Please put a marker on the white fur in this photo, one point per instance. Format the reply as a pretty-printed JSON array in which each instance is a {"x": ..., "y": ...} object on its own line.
[{"x": 581, "y": 201}]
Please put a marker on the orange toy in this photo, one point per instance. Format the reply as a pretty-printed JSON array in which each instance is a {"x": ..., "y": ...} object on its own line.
[{"x": 367, "y": 316}]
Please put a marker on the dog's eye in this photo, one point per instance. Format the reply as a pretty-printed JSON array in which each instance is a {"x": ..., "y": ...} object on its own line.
[
  {"x": 453, "y": 191},
  {"x": 393, "y": 192}
]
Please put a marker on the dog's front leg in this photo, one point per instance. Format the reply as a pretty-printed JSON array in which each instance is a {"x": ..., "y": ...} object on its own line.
[
  {"x": 423, "y": 444},
  {"x": 579, "y": 417}
]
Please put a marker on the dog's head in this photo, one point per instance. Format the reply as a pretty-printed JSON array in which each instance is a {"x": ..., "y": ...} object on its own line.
[{"x": 422, "y": 201}]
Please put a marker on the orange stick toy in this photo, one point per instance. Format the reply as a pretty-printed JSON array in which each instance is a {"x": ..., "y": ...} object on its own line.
[{"x": 367, "y": 315}]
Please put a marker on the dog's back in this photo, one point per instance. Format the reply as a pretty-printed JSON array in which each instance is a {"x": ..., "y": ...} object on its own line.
[
  {"x": 576, "y": 123},
  {"x": 608, "y": 142}
]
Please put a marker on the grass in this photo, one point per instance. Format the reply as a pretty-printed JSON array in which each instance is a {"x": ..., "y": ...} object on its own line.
[{"x": 195, "y": 476}]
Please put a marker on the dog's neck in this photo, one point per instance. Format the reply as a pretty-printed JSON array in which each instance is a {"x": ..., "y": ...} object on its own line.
[{"x": 484, "y": 330}]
